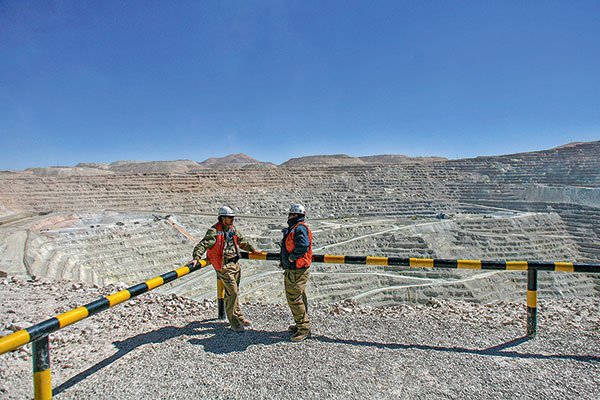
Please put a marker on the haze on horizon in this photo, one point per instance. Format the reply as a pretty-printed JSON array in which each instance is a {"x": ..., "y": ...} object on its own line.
[{"x": 105, "y": 81}]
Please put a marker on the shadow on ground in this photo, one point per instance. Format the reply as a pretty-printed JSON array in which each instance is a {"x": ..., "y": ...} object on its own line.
[
  {"x": 498, "y": 351},
  {"x": 221, "y": 340},
  {"x": 225, "y": 341}
]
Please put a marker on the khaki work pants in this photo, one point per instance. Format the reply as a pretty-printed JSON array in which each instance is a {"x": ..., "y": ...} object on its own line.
[
  {"x": 230, "y": 275},
  {"x": 295, "y": 292}
]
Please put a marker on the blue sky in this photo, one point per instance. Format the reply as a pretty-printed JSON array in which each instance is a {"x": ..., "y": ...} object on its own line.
[{"x": 99, "y": 81}]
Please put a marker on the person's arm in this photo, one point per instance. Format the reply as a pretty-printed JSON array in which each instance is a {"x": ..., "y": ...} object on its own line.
[
  {"x": 207, "y": 242},
  {"x": 244, "y": 243},
  {"x": 283, "y": 254},
  {"x": 301, "y": 243}
]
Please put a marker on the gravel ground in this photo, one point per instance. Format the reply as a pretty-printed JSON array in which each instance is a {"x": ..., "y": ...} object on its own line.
[{"x": 159, "y": 346}]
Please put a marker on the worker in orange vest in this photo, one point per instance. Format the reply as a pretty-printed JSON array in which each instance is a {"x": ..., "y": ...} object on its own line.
[
  {"x": 296, "y": 257},
  {"x": 222, "y": 244}
]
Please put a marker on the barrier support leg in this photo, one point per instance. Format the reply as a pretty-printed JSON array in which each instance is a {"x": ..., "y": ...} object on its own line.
[
  {"x": 531, "y": 303},
  {"x": 42, "y": 375},
  {"x": 220, "y": 297}
]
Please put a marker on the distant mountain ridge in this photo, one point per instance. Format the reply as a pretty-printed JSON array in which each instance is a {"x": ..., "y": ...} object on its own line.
[
  {"x": 344, "y": 159},
  {"x": 241, "y": 160},
  {"x": 156, "y": 167},
  {"x": 398, "y": 159},
  {"x": 323, "y": 160}
]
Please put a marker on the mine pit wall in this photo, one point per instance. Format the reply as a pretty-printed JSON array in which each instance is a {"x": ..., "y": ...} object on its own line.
[
  {"x": 581, "y": 222},
  {"x": 108, "y": 250},
  {"x": 569, "y": 195},
  {"x": 329, "y": 192},
  {"x": 121, "y": 247}
]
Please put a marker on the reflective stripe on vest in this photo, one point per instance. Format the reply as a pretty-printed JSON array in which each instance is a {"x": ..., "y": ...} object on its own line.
[
  {"x": 215, "y": 253},
  {"x": 290, "y": 244}
]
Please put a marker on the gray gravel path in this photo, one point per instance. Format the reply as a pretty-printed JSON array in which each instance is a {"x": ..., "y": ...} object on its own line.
[{"x": 169, "y": 347}]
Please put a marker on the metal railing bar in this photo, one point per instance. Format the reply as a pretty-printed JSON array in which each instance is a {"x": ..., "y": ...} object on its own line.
[{"x": 34, "y": 332}]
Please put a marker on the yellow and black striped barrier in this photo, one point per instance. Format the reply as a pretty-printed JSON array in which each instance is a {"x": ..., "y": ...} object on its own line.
[
  {"x": 532, "y": 267},
  {"x": 38, "y": 334},
  {"x": 557, "y": 266}
]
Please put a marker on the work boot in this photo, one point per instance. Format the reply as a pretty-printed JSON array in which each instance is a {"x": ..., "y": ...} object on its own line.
[
  {"x": 237, "y": 328},
  {"x": 245, "y": 322},
  {"x": 300, "y": 336},
  {"x": 293, "y": 328}
]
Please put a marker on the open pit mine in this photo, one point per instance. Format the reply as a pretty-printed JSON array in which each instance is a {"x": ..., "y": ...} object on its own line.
[{"x": 128, "y": 221}]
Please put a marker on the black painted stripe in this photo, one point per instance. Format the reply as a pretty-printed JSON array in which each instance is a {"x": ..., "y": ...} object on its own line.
[
  {"x": 41, "y": 354},
  {"x": 169, "y": 276},
  {"x": 445, "y": 263},
  {"x": 356, "y": 260},
  {"x": 531, "y": 321},
  {"x": 398, "y": 262},
  {"x": 221, "y": 308},
  {"x": 540, "y": 266},
  {"x": 588, "y": 268},
  {"x": 138, "y": 289},
  {"x": 96, "y": 306},
  {"x": 273, "y": 256},
  {"x": 319, "y": 258},
  {"x": 194, "y": 268},
  {"x": 532, "y": 280},
  {"x": 43, "y": 328},
  {"x": 493, "y": 265}
]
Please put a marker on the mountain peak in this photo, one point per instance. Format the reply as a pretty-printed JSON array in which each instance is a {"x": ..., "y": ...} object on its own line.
[{"x": 239, "y": 159}]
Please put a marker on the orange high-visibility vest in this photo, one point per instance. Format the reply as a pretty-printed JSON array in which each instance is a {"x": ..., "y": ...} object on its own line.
[
  {"x": 290, "y": 244},
  {"x": 215, "y": 253}
]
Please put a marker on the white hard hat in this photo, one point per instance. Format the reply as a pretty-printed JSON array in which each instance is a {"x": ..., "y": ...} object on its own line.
[
  {"x": 226, "y": 212},
  {"x": 297, "y": 209}
]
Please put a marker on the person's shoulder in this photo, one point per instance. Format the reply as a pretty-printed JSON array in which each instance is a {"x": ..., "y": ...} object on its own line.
[{"x": 302, "y": 226}]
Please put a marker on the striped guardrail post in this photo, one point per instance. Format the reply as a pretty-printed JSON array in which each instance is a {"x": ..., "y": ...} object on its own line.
[
  {"x": 220, "y": 298},
  {"x": 531, "y": 303},
  {"x": 42, "y": 376}
]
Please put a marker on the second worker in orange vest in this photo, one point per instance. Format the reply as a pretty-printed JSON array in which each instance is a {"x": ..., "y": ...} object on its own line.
[
  {"x": 222, "y": 244},
  {"x": 296, "y": 257}
]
